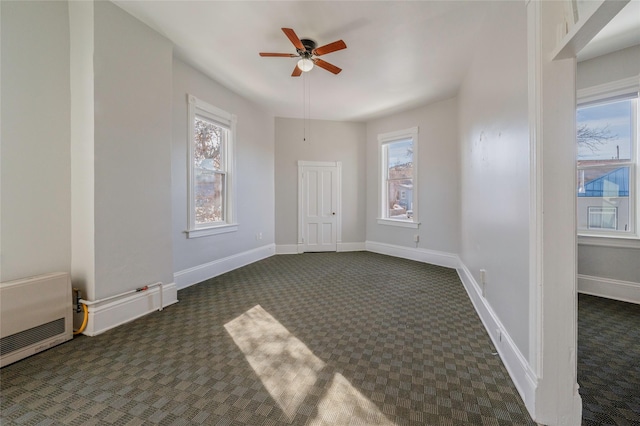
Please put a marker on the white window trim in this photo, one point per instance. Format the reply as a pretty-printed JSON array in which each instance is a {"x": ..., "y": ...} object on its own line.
[
  {"x": 602, "y": 92},
  {"x": 228, "y": 120},
  {"x": 383, "y": 139},
  {"x": 398, "y": 222},
  {"x": 605, "y": 241}
]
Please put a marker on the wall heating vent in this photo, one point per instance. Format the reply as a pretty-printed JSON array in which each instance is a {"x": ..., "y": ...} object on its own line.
[{"x": 35, "y": 314}]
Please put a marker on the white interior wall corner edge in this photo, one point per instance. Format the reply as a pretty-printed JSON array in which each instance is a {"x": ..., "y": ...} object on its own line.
[
  {"x": 434, "y": 257},
  {"x": 111, "y": 314},
  {"x": 199, "y": 273},
  {"x": 522, "y": 375}
]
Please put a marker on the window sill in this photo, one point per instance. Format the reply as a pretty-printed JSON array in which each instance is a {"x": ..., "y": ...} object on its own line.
[
  {"x": 212, "y": 230},
  {"x": 400, "y": 223},
  {"x": 609, "y": 241}
]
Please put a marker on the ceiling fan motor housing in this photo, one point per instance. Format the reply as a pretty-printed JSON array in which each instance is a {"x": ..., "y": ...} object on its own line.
[{"x": 309, "y": 45}]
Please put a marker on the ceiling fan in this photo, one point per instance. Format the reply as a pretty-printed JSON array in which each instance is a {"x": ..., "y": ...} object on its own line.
[{"x": 307, "y": 51}]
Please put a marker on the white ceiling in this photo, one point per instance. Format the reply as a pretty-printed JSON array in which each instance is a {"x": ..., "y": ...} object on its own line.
[
  {"x": 623, "y": 31},
  {"x": 400, "y": 54}
]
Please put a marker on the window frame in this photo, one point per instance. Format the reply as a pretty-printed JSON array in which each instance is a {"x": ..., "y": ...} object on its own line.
[
  {"x": 601, "y": 94},
  {"x": 228, "y": 121},
  {"x": 385, "y": 139}
]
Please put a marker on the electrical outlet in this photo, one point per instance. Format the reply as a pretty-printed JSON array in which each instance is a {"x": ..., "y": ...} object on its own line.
[
  {"x": 416, "y": 238},
  {"x": 259, "y": 235},
  {"x": 483, "y": 280}
]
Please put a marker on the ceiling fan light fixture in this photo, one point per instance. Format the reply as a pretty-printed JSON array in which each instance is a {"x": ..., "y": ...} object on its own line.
[{"x": 305, "y": 64}]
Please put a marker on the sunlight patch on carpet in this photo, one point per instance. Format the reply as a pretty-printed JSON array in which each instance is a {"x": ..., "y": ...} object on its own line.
[
  {"x": 287, "y": 368},
  {"x": 343, "y": 405},
  {"x": 289, "y": 371}
]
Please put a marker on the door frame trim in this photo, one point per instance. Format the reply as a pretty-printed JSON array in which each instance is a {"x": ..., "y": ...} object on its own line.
[{"x": 301, "y": 166}]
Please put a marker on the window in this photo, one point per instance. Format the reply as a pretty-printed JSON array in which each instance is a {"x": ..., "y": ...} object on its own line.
[
  {"x": 211, "y": 167},
  {"x": 399, "y": 178},
  {"x": 607, "y": 181}
]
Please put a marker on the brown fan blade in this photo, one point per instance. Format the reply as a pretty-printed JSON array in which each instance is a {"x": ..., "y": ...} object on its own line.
[
  {"x": 279, "y": 55},
  {"x": 296, "y": 72},
  {"x": 328, "y": 48},
  {"x": 294, "y": 38},
  {"x": 327, "y": 66}
]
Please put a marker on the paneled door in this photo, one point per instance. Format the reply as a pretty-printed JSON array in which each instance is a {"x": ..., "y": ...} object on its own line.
[{"x": 319, "y": 210}]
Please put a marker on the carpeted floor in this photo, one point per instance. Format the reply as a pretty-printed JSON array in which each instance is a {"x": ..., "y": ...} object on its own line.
[
  {"x": 327, "y": 339},
  {"x": 609, "y": 361}
]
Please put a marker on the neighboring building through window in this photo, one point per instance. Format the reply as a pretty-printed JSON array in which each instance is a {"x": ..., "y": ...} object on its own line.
[
  {"x": 607, "y": 138},
  {"x": 603, "y": 218},
  {"x": 211, "y": 168},
  {"x": 398, "y": 178}
]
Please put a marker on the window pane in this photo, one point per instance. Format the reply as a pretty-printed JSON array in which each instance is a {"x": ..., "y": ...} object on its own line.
[
  {"x": 400, "y": 196},
  {"x": 208, "y": 144},
  {"x": 400, "y": 159},
  {"x": 208, "y": 162},
  {"x": 209, "y": 196},
  {"x": 603, "y": 198},
  {"x": 604, "y": 132},
  {"x": 399, "y": 169}
]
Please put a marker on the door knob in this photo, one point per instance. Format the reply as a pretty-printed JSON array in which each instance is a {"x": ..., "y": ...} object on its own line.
[{"x": 334, "y": 213}]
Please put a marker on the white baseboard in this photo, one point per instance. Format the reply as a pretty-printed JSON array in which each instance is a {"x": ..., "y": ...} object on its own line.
[
  {"x": 625, "y": 291},
  {"x": 351, "y": 247},
  {"x": 523, "y": 376},
  {"x": 299, "y": 248},
  {"x": 110, "y": 314},
  {"x": 197, "y": 274},
  {"x": 448, "y": 260},
  {"x": 287, "y": 249}
]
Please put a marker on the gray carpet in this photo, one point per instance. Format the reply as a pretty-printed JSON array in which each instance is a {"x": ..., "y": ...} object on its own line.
[
  {"x": 316, "y": 339},
  {"x": 609, "y": 361}
]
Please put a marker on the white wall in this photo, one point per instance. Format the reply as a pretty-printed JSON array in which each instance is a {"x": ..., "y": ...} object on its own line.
[
  {"x": 495, "y": 190},
  {"x": 132, "y": 89},
  {"x": 325, "y": 141},
  {"x": 494, "y": 144},
  {"x": 254, "y": 178},
  {"x": 438, "y": 176},
  {"x": 614, "y": 66},
  {"x": 35, "y": 160},
  {"x": 616, "y": 263}
]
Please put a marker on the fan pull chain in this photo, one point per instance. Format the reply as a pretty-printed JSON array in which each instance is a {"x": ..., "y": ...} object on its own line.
[
  {"x": 309, "y": 104},
  {"x": 304, "y": 107}
]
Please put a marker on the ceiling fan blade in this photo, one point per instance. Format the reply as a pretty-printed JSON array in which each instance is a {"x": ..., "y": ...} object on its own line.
[
  {"x": 327, "y": 66},
  {"x": 279, "y": 55},
  {"x": 294, "y": 38},
  {"x": 328, "y": 48},
  {"x": 296, "y": 72}
]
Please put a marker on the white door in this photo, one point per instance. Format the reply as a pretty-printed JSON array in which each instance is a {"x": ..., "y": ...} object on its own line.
[{"x": 319, "y": 207}]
